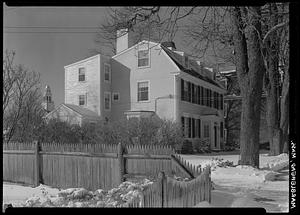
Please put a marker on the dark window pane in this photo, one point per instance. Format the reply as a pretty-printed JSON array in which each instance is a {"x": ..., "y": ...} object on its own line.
[{"x": 189, "y": 127}]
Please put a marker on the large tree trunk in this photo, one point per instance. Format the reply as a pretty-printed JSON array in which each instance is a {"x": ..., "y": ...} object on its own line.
[
  {"x": 284, "y": 117},
  {"x": 272, "y": 84},
  {"x": 250, "y": 69}
]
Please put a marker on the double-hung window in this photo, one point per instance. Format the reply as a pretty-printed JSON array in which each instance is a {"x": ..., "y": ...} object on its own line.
[
  {"x": 81, "y": 74},
  {"x": 143, "y": 58},
  {"x": 107, "y": 72},
  {"x": 116, "y": 96},
  {"x": 82, "y": 100},
  {"x": 143, "y": 91},
  {"x": 107, "y": 101}
]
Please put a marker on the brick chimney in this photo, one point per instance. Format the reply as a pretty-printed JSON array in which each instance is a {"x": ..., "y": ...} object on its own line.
[
  {"x": 170, "y": 45},
  {"x": 122, "y": 40}
]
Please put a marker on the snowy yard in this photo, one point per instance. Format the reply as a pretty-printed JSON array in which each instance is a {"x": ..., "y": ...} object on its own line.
[
  {"x": 243, "y": 186},
  {"x": 234, "y": 186}
]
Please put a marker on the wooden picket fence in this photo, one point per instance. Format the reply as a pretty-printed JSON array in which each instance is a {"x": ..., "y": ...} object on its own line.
[
  {"x": 168, "y": 192},
  {"x": 91, "y": 166}
]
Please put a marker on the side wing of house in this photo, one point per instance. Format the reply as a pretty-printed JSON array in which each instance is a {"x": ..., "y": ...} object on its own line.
[
  {"x": 65, "y": 114},
  {"x": 82, "y": 84}
]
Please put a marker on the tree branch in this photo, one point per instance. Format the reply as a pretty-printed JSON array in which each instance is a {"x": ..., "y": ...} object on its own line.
[{"x": 274, "y": 28}]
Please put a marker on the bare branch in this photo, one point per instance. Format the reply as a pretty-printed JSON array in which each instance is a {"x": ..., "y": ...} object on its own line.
[{"x": 274, "y": 28}]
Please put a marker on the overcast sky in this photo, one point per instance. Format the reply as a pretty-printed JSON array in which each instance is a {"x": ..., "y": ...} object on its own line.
[{"x": 48, "y": 53}]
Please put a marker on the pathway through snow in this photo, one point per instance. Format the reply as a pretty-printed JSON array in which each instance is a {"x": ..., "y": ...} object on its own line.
[{"x": 243, "y": 186}]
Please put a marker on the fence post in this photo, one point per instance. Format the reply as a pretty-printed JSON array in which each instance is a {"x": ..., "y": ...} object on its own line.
[
  {"x": 161, "y": 180},
  {"x": 37, "y": 163},
  {"x": 210, "y": 185},
  {"x": 121, "y": 162}
]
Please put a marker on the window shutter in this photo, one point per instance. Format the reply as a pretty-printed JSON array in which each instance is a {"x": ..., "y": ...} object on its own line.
[
  {"x": 182, "y": 89},
  {"x": 189, "y": 127},
  {"x": 189, "y": 92},
  {"x": 193, "y": 128},
  {"x": 192, "y": 93}
]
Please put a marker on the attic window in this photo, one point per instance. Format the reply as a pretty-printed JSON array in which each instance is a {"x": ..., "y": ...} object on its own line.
[
  {"x": 81, "y": 74},
  {"x": 143, "y": 58}
]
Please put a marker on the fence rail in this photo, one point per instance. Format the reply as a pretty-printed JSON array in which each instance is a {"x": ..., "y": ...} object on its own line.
[{"x": 91, "y": 166}]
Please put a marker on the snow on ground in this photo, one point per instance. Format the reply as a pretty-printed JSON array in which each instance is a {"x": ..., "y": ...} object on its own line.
[
  {"x": 245, "y": 186},
  {"x": 43, "y": 196},
  {"x": 17, "y": 194}
]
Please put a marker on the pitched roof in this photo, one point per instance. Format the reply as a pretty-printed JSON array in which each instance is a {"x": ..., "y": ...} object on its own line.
[
  {"x": 82, "y": 111},
  {"x": 178, "y": 61}
]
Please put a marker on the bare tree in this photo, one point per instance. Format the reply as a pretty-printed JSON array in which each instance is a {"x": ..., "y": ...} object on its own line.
[
  {"x": 20, "y": 94},
  {"x": 235, "y": 31},
  {"x": 275, "y": 24},
  {"x": 213, "y": 34},
  {"x": 151, "y": 23}
]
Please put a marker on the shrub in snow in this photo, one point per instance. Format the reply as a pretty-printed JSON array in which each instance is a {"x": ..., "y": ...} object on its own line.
[
  {"x": 217, "y": 162},
  {"x": 80, "y": 193},
  {"x": 80, "y": 197}
]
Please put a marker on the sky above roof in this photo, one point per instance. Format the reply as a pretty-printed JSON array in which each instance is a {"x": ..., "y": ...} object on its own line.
[{"x": 48, "y": 52}]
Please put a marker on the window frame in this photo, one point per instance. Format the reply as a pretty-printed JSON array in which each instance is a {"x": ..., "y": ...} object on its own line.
[
  {"x": 113, "y": 95},
  {"x": 139, "y": 50},
  {"x": 143, "y": 81},
  {"x": 107, "y": 93},
  {"x": 84, "y": 99},
  {"x": 109, "y": 73},
  {"x": 80, "y": 75}
]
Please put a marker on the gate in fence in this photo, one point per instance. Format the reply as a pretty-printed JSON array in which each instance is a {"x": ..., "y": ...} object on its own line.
[{"x": 168, "y": 192}]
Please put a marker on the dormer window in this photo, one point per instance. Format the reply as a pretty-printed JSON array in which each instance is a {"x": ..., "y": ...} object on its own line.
[
  {"x": 186, "y": 62},
  {"x": 143, "y": 58},
  {"x": 81, "y": 74}
]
